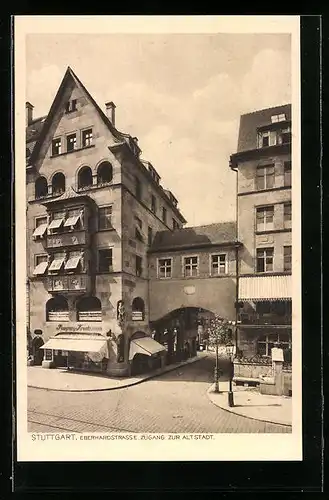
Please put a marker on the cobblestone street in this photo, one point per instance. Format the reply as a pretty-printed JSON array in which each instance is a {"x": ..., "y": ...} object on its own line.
[{"x": 173, "y": 402}]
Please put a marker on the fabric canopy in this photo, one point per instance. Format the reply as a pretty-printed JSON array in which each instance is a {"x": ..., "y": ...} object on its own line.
[
  {"x": 259, "y": 288},
  {"x": 56, "y": 264},
  {"x": 71, "y": 221},
  {"x": 73, "y": 262},
  {"x": 40, "y": 268},
  {"x": 40, "y": 230},
  {"x": 77, "y": 345},
  {"x": 145, "y": 345},
  {"x": 56, "y": 223}
]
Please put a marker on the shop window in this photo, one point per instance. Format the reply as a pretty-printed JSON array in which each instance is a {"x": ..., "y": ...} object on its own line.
[
  {"x": 138, "y": 309},
  {"x": 85, "y": 178},
  {"x": 89, "y": 309},
  {"x": 57, "y": 309},
  {"x": 58, "y": 183},
  {"x": 105, "y": 218},
  {"x": 87, "y": 137},
  {"x": 105, "y": 261},
  {"x": 264, "y": 260},
  {"x": 265, "y": 177},
  {"x": 164, "y": 268},
  {"x": 104, "y": 173},
  {"x": 41, "y": 187},
  {"x": 264, "y": 218},
  {"x": 191, "y": 266},
  {"x": 218, "y": 264},
  {"x": 266, "y": 342}
]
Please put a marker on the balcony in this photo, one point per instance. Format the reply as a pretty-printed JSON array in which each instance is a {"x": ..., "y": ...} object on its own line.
[
  {"x": 69, "y": 239},
  {"x": 264, "y": 319},
  {"x": 69, "y": 283}
]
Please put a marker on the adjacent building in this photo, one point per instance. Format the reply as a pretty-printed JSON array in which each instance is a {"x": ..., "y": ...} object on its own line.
[{"x": 264, "y": 215}]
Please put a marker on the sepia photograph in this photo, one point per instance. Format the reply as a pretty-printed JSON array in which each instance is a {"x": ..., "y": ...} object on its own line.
[{"x": 158, "y": 298}]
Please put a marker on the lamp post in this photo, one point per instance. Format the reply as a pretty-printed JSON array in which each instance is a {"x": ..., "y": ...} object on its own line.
[
  {"x": 216, "y": 370},
  {"x": 230, "y": 353}
]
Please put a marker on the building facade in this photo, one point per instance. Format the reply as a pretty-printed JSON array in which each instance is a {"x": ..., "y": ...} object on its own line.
[
  {"x": 264, "y": 218},
  {"x": 93, "y": 208}
]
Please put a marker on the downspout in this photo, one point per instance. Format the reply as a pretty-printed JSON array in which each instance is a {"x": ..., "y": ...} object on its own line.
[{"x": 236, "y": 263}]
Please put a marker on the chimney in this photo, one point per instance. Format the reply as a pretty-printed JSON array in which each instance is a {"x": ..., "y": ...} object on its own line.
[
  {"x": 110, "y": 112},
  {"x": 29, "y": 113}
]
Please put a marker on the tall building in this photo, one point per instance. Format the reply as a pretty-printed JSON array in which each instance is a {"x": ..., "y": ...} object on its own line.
[
  {"x": 93, "y": 208},
  {"x": 263, "y": 166}
]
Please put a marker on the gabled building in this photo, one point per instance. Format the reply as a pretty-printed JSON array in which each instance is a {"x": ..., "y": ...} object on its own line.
[
  {"x": 93, "y": 208},
  {"x": 264, "y": 217}
]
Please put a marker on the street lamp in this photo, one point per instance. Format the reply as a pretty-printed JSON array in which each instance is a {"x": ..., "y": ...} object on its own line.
[{"x": 230, "y": 353}]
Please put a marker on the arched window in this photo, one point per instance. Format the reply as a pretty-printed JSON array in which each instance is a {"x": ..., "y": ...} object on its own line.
[
  {"x": 104, "y": 173},
  {"x": 85, "y": 178},
  {"x": 41, "y": 187},
  {"x": 89, "y": 309},
  {"x": 138, "y": 309},
  {"x": 58, "y": 183},
  {"x": 57, "y": 309}
]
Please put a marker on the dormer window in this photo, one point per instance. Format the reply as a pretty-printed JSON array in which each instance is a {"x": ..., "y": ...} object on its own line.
[
  {"x": 278, "y": 118},
  {"x": 71, "y": 106}
]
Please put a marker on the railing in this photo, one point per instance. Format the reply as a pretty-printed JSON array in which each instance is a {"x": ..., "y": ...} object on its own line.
[
  {"x": 66, "y": 239},
  {"x": 257, "y": 319},
  {"x": 74, "y": 283}
]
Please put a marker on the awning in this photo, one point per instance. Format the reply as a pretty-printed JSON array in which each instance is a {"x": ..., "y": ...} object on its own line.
[
  {"x": 76, "y": 345},
  {"x": 40, "y": 268},
  {"x": 56, "y": 264},
  {"x": 71, "y": 221},
  {"x": 73, "y": 262},
  {"x": 56, "y": 223},
  {"x": 257, "y": 288},
  {"x": 40, "y": 230},
  {"x": 145, "y": 345}
]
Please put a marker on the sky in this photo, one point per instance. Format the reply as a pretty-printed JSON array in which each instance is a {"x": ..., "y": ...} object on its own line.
[{"x": 181, "y": 94}]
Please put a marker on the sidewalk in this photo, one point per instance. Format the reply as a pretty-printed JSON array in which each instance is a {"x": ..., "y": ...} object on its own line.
[
  {"x": 58, "y": 379},
  {"x": 249, "y": 403}
]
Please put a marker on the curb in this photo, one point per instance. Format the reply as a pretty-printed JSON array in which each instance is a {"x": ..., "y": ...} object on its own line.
[
  {"x": 128, "y": 384},
  {"x": 241, "y": 415}
]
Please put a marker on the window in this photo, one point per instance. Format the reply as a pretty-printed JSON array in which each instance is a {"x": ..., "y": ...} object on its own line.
[
  {"x": 138, "y": 235},
  {"x": 58, "y": 183},
  {"x": 287, "y": 215},
  {"x": 89, "y": 309},
  {"x": 85, "y": 178},
  {"x": 138, "y": 265},
  {"x": 287, "y": 173},
  {"x": 41, "y": 264},
  {"x": 57, "y": 309},
  {"x": 71, "y": 142},
  {"x": 264, "y": 260},
  {"x": 105, "y": 260},
  {"x": 284, "y": 136},
  {"x": 265, "y": 177},
  {"x": 87, "y": 137},
  {"x": 175, "y": 224},
  {"x": 278, "y": 118},
  {"x": 153, "y": 204},
  {"x": 139, "y": 222},
  {"x": 164, "y": 268},
  {"x": 138, "y": 309},
  {"x": 264, "y": 139},
  {"x": 287, "y": 258},
  {"x": 138, "y": 188},
  {"x": 105, "y": 218},
  {"x": 104, "y": 173},
  {"x": 149, "y": 236},
  {"x": 57, "y": 221},
  {"x": 56, "y": 147},
  {"x": 164, "y": 215},
  {"x": 191, "y": 266},
  {"x": 218, "y": 264},
  {"x": 264, "y": 218},
  {"x": 266, "y": 342},
  {"x": 41, "y": 224},
  {"x": 41, "y": 187},
  {"x": 71, "y": 106},
  {"x": 73, "y": 261},
  {"x": 57, "y": 262}
]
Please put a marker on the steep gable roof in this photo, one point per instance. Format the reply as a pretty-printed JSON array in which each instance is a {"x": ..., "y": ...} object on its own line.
[
  {"x": 69, "y": 75},
  {"x": 198, "y": 236}
]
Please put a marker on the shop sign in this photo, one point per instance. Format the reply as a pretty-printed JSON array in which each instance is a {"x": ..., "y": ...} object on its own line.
[{"x": 102, "y": 328}]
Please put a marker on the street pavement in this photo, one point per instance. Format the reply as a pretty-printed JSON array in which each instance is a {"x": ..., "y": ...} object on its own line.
[{"x": 176, "y": 401}]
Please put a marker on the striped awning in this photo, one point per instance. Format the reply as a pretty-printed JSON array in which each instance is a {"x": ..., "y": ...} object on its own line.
[{"x": 258, "y": 288}]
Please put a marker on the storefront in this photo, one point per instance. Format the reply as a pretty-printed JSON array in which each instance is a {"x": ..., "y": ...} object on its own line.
[{"x": 80, "y": 346}]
